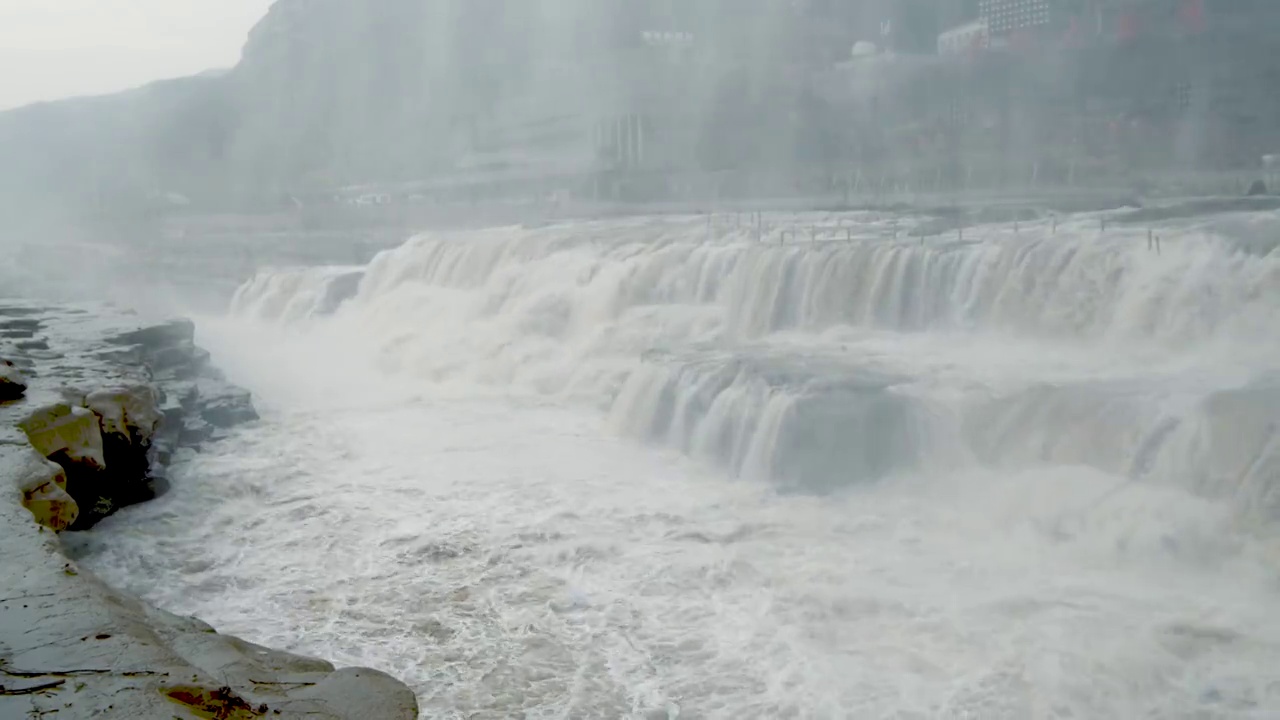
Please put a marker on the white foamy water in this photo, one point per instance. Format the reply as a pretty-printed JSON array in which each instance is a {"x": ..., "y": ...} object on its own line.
[{"x": 656, "y": 468}]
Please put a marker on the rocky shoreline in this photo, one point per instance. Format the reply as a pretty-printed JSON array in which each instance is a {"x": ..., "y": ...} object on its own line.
[{"x": 93, "y": 404}]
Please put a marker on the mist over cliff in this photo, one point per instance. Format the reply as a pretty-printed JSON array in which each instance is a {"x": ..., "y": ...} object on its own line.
[
  {"x": 656, "y": 100},
  {"x": 330, "y": 93}
]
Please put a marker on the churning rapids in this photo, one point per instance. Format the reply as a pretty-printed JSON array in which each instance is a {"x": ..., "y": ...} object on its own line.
[{"x": 660, "y": 468}]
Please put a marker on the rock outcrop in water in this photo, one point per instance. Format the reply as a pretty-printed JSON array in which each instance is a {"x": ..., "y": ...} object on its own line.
[
  {"x": 90, "y": 432},
  {"x": 113, "y": 436},
  {"x": 12, "y": 383}
]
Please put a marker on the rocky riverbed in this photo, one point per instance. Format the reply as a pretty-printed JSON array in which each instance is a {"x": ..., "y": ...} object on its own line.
[{"x": 93, "y": 404}]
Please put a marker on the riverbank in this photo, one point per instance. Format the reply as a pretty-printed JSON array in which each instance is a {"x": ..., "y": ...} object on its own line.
[{"x": 96, "y": 403}]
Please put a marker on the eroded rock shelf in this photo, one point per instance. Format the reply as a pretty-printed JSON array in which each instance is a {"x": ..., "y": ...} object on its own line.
[{"x": 93, "y": 404}]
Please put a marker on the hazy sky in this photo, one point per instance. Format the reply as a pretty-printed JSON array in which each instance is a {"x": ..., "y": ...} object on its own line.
[{"x": 56, "y": 48}]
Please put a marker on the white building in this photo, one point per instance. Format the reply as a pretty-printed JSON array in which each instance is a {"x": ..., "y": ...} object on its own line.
[{"x": 965, "y": 38}]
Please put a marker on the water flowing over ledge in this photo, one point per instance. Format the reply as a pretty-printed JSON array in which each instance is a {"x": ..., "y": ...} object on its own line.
[
  {"x": 92, "y": 409},
  {"x": 853, "y": 354}
]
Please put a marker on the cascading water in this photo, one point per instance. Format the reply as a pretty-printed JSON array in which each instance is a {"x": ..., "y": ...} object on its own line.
[
  {"x": 296, "y": 294},
  {"x": 819, "y": 363},
  {"x": 1028, "y": 474}
]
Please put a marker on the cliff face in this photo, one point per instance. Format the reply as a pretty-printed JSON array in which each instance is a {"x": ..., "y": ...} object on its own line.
[
  {"x": 330, "y": 93},
  {"x": 333, "y": 92},
  {"x": 114, "y": 152}
]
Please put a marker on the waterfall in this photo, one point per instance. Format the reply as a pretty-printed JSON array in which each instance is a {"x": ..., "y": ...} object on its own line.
[{"x": 855, "y": 356}]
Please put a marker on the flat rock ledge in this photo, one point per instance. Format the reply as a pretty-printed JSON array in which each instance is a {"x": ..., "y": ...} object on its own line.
[{"x": 92, "y": 405}]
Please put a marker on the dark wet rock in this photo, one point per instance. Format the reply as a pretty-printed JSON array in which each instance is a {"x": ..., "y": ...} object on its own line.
[
  {"x": 158, "y": 485},
  {"x": 224, "y": 406},
  {"x": 182, "y": 361},
  {"x": 29, "y": 324},
  {"x": 13, "y": 382},
  {"x": 1257, "y": 189},
  {"x": 18, "y": 311},
  {"x": 168, "y": 334},
  {"x": 169, "y": 351},
  {"x": 181, "y": 396},
  {"x": 341, "y": 289}
]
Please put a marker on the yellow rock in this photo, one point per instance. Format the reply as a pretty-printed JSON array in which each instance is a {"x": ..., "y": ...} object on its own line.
[
  {"x": 43, "y": 485},
  {"x": 126, "y": 408},
  {"x": 60, "y": 428}
]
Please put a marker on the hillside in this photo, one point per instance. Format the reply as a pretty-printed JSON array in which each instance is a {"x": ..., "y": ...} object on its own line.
[{"x": 330, "y": 93}]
